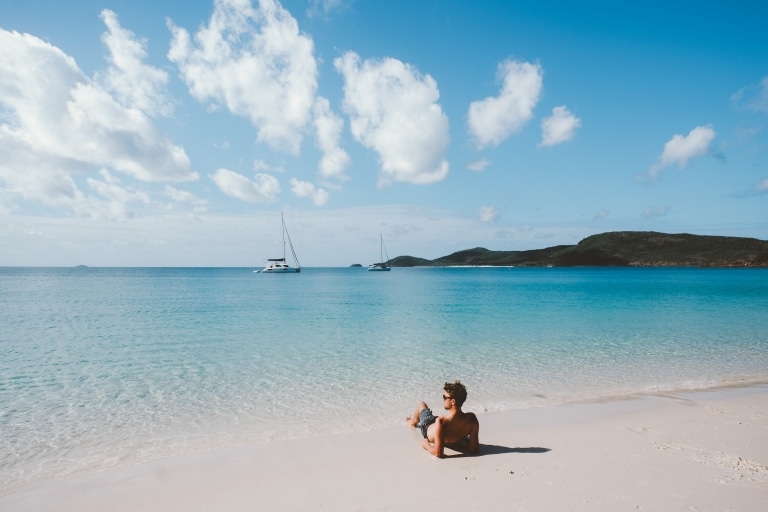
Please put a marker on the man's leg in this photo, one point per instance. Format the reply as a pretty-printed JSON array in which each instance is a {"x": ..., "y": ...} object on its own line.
[{"x": 414, "y": 419}]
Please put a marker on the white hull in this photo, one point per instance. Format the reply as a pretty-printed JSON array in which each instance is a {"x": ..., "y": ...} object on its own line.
[{"x": 289, "y": 270}]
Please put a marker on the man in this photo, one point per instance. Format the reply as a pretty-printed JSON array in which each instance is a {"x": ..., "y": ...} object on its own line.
[{"x": 457, "y": 429}]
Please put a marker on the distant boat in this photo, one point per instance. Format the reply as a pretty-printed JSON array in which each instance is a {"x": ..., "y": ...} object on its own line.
[
  {"x": 382, "y": 252},
  {"x": 279, "y": 265}
]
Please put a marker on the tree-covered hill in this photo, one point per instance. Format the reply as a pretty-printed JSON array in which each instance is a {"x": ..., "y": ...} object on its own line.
[{"x": 621, "y": 248}]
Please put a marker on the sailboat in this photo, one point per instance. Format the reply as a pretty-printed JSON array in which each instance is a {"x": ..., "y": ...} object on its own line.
[
  {"x": 383, "y": 265},
  {"x": 279, "y": 265}
]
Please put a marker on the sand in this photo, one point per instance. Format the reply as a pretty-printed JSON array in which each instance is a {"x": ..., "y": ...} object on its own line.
[{"x": 701, "y": 451}]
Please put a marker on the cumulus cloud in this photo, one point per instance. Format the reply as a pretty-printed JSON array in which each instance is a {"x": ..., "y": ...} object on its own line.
[
  {"x": 762, "y": 186},
  {"x": 655, "y": 211},
  {"x": 495, "y": 118},
  {"x": 328, "y": 128},
  {"x": 559, "y": 127},
  {"x": 256, "y": 63},
  {"x": 58, "y": 123},
  {"x": 680, "y": 149},
  {"x": 489, "y": 214},
  {"x": 134, "y": 84},
  {"x": 307, "y": 190},
  {"x": 393, "y": 110},
  {"x": 264, "y": 188},
  {"x": 478, "y": 165}
]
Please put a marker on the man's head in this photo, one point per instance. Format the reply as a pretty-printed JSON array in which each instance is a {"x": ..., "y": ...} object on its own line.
[{"x": 457, "y": 391}]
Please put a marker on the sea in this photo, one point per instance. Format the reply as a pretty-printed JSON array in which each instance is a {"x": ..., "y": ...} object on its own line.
[{"x": 107, "y": 367}]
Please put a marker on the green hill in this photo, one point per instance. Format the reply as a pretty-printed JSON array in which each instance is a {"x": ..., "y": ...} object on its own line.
[{"x": 621, "y": 248}]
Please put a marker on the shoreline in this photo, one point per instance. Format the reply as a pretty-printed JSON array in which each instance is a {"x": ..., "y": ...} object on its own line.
[{"x": 672, "y": 450}]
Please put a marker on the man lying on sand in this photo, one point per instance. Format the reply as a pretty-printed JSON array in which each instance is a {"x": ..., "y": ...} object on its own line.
[{"x": 458, "y": 429}]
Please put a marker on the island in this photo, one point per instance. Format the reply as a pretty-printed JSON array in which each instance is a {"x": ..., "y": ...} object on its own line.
[{"x": 619, "y": 248}]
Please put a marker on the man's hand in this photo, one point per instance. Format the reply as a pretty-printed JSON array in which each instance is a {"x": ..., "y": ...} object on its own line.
[
  {"x": 432, "y": 449},
  {"x": 435, "y": 450}
]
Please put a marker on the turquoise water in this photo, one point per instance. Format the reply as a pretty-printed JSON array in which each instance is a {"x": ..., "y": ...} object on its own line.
[{"x": 105, "y": 367}]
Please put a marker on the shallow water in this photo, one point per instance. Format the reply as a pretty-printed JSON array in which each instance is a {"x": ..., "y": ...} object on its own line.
[{"x": 105, "y": 367}]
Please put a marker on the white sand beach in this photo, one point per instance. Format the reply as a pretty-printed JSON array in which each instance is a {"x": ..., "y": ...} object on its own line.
[{"x": 701, "y": 451}]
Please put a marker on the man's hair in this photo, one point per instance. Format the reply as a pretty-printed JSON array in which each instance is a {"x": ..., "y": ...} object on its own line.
[{"x": 457, "y": 391}]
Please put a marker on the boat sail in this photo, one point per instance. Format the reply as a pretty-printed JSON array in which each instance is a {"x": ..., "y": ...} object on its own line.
[
  {"x": 382, "y": 266},
  {"x": 279, "y": 265}
]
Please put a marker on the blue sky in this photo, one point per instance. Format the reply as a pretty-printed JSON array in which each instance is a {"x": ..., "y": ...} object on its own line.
[{"x": 175, "y": 133}]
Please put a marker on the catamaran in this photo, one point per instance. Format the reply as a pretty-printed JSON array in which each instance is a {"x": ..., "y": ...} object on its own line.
[
  {"x": 279, "y": 265},
  {"x": 383, "y": 265}
]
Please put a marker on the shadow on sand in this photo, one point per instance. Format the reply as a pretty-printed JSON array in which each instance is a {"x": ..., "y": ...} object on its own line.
[{"x": 493, "y": 449}]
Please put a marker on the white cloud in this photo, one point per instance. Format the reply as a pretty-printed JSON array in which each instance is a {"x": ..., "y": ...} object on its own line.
[
  {"x": 183, "y": 196},
  {"x": 559, "y": 127},
  {"x": 118, "y": 196},
  {"x": 601, "y": 214},
  {"x": 478, "y": 165},
  {"x": 328, "y": 128},
  {"x": 317, "y": 7},
  {"x": 263, "y": 189},
  {"x": 255, "y": 62},
  {"x": 124, "y": 139},
  {"x": 680, "y": 149},
  {"x": 307, "y": 190},
  {"x": 763, "y": 186},
  {"x": 393, "y": 110},
  {"x": 753, "y": 97},
  {"x": 495, "y": 118},
  {"x": 134, "y": 84},
  {"x": 761, "y": 102},
  {"x": 58, "y": 124},
  {"x": 489, "y": 214},
  {"x": 7, "y": 205},
  {"x": 260, "y": 165},
  {"x": 656, "y": 211}
]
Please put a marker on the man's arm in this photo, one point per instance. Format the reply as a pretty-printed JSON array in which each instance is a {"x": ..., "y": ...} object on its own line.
[
  {"x": 474, "y": 436},
  {"x": 438, "y": 448}
]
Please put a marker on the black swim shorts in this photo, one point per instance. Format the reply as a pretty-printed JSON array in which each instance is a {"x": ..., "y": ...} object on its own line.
[{"x": 426, "y": 418}]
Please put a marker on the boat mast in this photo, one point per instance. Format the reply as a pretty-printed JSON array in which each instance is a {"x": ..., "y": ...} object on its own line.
[
  {"x": 383, "y": 250},
  {"x": 282, "y": 221},
  {"x": 285, "y": 233}
]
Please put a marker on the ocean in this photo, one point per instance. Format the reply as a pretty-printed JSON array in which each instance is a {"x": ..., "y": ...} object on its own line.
[{"x": 105, "y": 367}]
